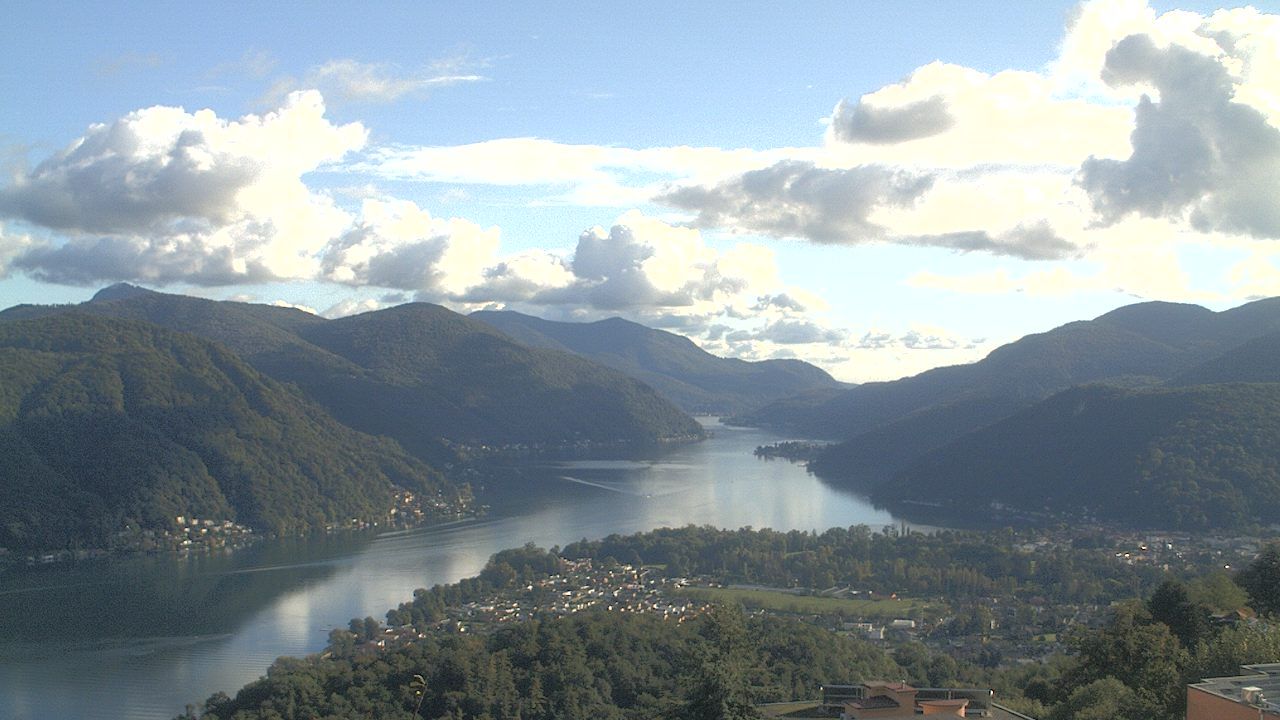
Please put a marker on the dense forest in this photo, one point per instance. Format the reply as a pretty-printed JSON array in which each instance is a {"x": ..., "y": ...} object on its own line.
[
  {"x": 1198, "y": 457},
  {"x": 109, "y": 425}
]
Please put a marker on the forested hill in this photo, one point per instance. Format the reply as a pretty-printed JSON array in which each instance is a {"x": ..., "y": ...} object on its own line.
[
  {"x": 1138, "y": 344},
  {"x": 418, "y": 373},
  {"x": 1193, "y": 458},
  {"x": 107, "y": 424},
  {"x": 1255, "y": 361},
  {"x": 689, "y": 376},
  {"x": 886, "y": 425},
  {"x": 439, "y": 373}
]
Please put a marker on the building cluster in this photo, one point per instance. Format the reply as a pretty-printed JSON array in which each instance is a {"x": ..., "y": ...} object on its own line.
[{"x": 581, "y": 585}]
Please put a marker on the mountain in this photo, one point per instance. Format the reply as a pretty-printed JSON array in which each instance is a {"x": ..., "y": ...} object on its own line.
[
  {"x": 428, "y": 377},
  {"x": 1255, "y": 361},
  {"x": 684, "y": 373},
  {"x": 1202, "y": 457},
  {"x": 109, "y": 423},
  {"x": 430, "y": 372},
  {"x": 885, "y": 425}
]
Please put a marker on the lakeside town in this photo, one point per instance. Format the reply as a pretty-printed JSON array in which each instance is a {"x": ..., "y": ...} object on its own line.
[
  {"x": 188, "y": 535},
  {"x": 989, "y": 630}
]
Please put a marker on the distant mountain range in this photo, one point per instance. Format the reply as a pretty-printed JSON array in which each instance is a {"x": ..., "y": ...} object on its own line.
[
  {"x": 694, "y": 379},
  {"x": 426, "y": 376},
  {"x": 137, "y": 407},
  {"x": 907, "y": 439}
]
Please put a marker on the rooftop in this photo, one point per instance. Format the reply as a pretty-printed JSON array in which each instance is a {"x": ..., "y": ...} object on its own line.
[{"x": 1259, "y": 686}]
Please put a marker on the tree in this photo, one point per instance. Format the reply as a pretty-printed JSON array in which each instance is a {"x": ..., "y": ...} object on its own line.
[
  {"x": 718, "y": 688},
  {"x": 1217, "y": 592},
  {"x": 1142, "y": 654},
  {"x": 1171, "y": 605},
  {"x": 1261, "y": 579},
  {"x": 1105, "y": 699}
]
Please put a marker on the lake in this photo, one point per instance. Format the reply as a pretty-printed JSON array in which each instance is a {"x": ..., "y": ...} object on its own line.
[{"x": 140, "y": 637}]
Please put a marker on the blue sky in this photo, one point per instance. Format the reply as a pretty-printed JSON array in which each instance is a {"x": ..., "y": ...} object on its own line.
[{"x": 876, "y": 187}]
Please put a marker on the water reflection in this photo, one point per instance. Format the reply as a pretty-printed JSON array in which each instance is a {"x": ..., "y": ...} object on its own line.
[{"x": 140, "y": 638}]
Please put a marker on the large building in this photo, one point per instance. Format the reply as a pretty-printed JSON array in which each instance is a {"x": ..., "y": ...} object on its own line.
[{"x": 1252, "y": 695}]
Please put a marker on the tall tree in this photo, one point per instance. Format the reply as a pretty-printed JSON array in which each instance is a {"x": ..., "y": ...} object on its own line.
[
  {"x": 1261, "y": 579},
  {"x": 719, "y": 667},
  {"x": 1171, "y": 605}
]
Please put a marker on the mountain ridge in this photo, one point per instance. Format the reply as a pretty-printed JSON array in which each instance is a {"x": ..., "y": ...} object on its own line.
[{"x": 689, "y": 376}]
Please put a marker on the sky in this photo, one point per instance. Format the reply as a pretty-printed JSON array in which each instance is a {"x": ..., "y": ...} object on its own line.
[{"x": 877, "y": 188}]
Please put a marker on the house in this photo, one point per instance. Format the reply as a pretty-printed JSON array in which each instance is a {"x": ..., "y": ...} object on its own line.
[{"x": 1252, "y": 695}]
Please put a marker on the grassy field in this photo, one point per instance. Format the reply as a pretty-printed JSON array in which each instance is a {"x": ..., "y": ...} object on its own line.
[{"x": 780, "y": 601}]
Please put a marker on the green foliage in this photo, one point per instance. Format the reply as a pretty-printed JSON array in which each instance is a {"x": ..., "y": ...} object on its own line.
[
  {"x": 1105, "y": 699},
  {"x": 590, "y": 665},
  {"x": 1261, "y": 579},
  {"x": 1171, "y": 605},
  {"x": 110, "y": 424},
  {"x": 1217, "y": 592},
  {"x": 1141, "y": 654},
  {"x": 717, "y": 669},
  {"x": 950, "y": 564}
]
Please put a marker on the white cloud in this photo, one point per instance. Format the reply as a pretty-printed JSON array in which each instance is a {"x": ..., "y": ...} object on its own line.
[
  {"x": 999, "y": 154},
  {"x": 1198, "y": 155},
  {"x": 164, "y": 195},
  {"x": 352, "y": 306},
  {"x": 395, "y": 244}
]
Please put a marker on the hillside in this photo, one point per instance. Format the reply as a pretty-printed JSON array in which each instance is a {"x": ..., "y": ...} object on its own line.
[
  {"x": 1192, "y": 458},
  {"x": 1255, "y": 361},
  {"x": 419, "y": 373},
  {"x": 684, "y": 373},
  {"x": 108, "y": 423},
  {"x": 430, "y": 372},
  {"x": 885, "y": 425}
]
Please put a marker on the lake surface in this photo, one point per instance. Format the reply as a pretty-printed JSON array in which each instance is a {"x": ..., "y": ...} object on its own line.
[{"x": 141, "y": 637}]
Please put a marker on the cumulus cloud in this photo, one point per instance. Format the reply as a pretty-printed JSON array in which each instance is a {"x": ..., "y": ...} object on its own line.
[
  {"x": 1197, "y": 153},
  {"x": 863, "y": 122},
  {"x": 800, "y": 332},
  {"x": 798, "y": 199},
  {"x": 13, "y": 245},
  {"x": 638, "y": 263},
  {"x": 165, "y": 195},
  {"x": 395, "y": 244}
]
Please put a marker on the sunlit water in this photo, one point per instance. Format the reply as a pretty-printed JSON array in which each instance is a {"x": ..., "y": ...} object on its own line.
[{"x": 142, "y": 637}]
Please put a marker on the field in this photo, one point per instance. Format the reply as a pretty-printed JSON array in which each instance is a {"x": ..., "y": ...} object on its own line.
[{"x": 782, "y": 601}]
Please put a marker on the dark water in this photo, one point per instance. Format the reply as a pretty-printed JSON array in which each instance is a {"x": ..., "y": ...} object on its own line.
[{"x": 141, "y": 637}]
